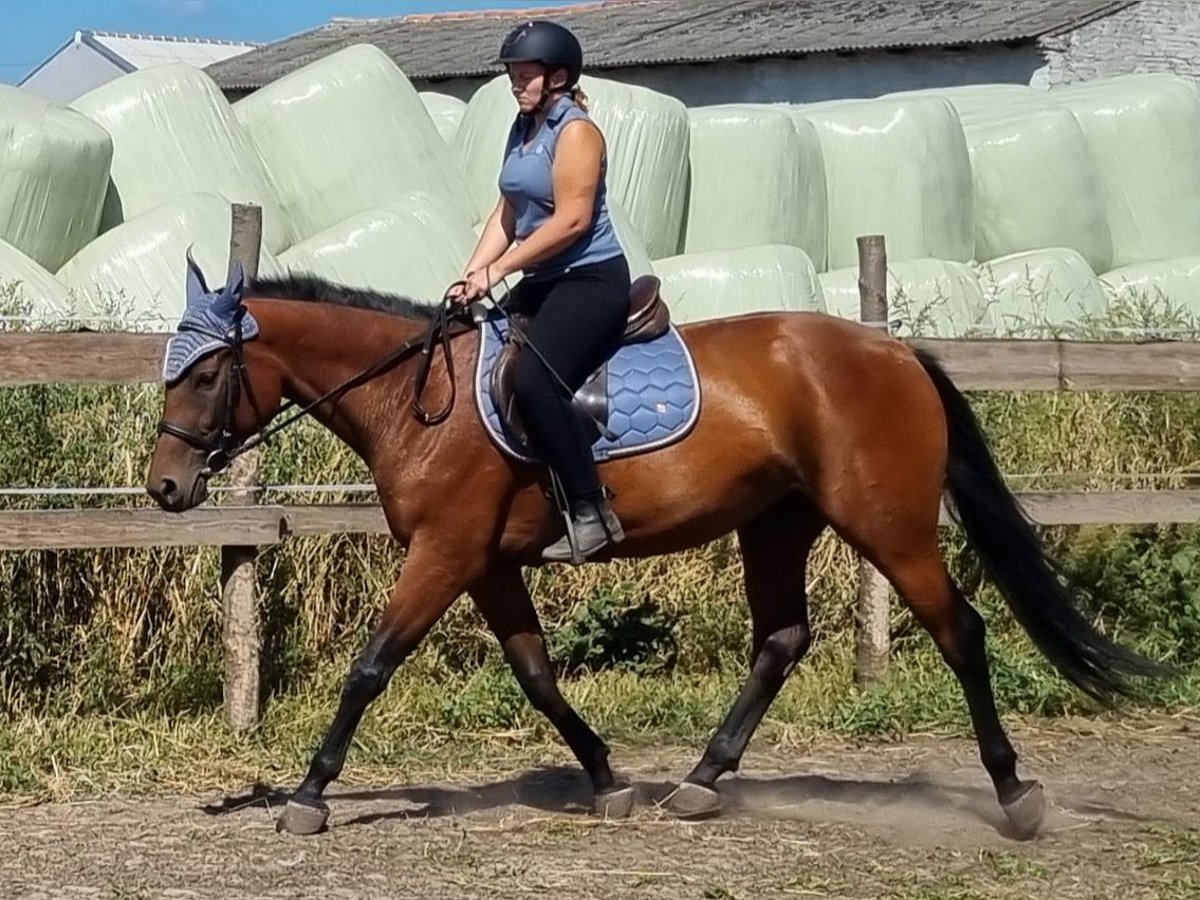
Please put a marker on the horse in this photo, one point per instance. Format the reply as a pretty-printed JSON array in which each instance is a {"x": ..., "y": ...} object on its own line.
[{"x": 807, "y": 422}]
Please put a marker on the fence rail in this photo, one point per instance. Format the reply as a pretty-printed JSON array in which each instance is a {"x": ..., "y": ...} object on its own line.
[
  {"x": 96, "y": 529},
  {"x": 985, "y": 364}
]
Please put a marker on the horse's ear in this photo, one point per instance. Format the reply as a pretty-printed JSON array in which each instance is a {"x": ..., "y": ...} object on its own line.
[
  {"x": 230, "y": 298},
  {"x": 235, "y": 284},
  {"x": 196, "y": 289}
]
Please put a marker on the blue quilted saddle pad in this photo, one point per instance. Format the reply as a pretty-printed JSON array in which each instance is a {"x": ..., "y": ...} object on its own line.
[{"x": 653, "y": 395}]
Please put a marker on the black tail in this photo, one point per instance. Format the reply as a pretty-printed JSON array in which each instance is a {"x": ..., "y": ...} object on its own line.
[{"x": 1015, "y": 559}]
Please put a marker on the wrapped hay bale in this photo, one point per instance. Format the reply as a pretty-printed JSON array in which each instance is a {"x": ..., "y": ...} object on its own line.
[
  {"x": 757, "y": 178},
  {"x": 174, "y": 135},
  {"x": 970, "y": 100},
  {"x": 1042, "y": 290},
  {"x": 28, "y": 291},
  {"x": 446, "y": 112},
  {"x": 930, "y": 297},
  {"x": 719, "y": 283},
  {"x": 1169, "y": 285},
  {"x": 1143, "y": 132},
  {"x": 631, "y": 242},
  {"x": 412, "y": 246},
  {"x": 135, "y": 272},
  {"x": 1036, "y": 185},
  {"x": 897, "y": 168},
  {"x": 647, "y": 137},
  {"x": 345, "y": 134},
  {"x": 54, "y": 167}
]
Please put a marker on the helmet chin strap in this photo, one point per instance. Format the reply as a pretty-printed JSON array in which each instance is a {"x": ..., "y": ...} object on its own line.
[{"x": 546, "y": 93}]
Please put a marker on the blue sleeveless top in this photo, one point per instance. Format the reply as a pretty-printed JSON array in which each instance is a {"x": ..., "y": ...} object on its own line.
[{"x": 527, "y": 182}]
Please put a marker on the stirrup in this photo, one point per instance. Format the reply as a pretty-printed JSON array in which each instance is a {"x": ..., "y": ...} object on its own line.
[{"x": 567, "y": 548}]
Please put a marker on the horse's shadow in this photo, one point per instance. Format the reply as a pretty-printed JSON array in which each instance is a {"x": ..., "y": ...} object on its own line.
[{"x": 916, "y": 800}]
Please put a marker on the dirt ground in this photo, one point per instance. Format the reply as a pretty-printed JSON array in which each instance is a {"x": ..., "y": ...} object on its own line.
[{"x": 911, "y": 820}]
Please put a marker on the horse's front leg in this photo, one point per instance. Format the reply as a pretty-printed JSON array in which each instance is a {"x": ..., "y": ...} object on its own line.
[{"x": 428, "y": 584}]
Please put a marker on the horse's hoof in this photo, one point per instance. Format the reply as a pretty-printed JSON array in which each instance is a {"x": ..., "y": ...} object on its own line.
[
  {"x": 694, "y": 801},
  {"x": 1026, "y": 812},
  {"x": 615, "y": 804},
  {"x": 302, "y": 819}
]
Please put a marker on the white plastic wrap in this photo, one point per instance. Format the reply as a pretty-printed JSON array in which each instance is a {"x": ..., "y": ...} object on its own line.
[
  {"x": 35, "y": 291},
  {"x": 174, "y": 135},
  {"x": 343, "y": 135},
  {"x": 1174, "y": 282},
  {"x": 412, "y": 246},
  {"x": 135, "y": 272},
  {"x": 54, "y": 166},
  {"x": 757, "y": 178},
  {"x": 647, "y": 139},
  {"x": 1042, "y": 290},
  {"x": 970, "y": 100},
  {"x": 897, "y": 168},
  {"x": 1036, "y": 185},
  {"x": 719, "y": 283},
  {"x": 930, "y": 297},
  {"x": 631, "y": 242},
  {"x": 446, "y": 112},
  {"x": 1144, "y": 135}
]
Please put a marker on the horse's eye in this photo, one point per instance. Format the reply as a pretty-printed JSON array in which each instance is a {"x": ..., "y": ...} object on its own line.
[{"x": 206, "y": 379}]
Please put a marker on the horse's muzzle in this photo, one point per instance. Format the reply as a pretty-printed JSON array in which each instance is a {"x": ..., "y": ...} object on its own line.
[{"x": 169, "y": 494}]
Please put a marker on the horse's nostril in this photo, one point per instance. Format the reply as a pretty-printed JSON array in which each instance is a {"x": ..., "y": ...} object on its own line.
[{"x": 169, "y": 489}]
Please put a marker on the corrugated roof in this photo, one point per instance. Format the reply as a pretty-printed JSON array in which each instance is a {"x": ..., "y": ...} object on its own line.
[
  {"x": 142, "y": 51},
  {"x": 658, "y": 32}
]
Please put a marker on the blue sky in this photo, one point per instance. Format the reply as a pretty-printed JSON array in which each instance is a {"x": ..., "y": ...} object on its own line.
[{"x": 33, "y": 29}]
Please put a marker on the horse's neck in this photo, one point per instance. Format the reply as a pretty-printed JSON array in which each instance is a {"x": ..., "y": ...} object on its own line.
[{"x": 320, "y": 347}]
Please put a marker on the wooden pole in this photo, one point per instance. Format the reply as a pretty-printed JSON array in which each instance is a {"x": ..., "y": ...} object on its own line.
[
  {"x": 872, "y": 619},
  {"x": 239, "y": 587}
]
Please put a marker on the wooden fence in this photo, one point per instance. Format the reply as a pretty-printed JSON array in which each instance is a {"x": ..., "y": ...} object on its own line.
[{"x": 977, "y": 365}]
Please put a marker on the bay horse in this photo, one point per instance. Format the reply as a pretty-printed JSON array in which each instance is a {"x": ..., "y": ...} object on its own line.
[{"x": 808, "y": 422}]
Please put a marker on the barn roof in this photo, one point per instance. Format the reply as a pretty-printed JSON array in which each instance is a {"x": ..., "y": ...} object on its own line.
[
  {"x": 619, "y": 33},
  {"x": 142, "y": 51}
]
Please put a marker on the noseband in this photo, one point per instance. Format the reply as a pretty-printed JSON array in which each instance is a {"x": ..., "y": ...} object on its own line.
[{"x": 222, "y": 446}]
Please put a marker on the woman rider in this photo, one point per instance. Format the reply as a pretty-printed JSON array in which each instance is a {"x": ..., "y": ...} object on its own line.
[{"x": 552, "y": 224}]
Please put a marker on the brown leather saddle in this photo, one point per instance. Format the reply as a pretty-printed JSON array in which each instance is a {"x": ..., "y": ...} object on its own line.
[{"x": 649, "y": 318}]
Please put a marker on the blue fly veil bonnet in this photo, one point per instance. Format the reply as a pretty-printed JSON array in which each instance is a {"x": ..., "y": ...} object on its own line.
[{"x": 211, "y": 320}]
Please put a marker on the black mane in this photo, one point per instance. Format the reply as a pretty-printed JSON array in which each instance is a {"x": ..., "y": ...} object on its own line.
[{"x": 311, "y": 289}]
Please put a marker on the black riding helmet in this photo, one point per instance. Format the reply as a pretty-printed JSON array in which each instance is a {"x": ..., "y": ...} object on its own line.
[{"x": 548, "y": 43}]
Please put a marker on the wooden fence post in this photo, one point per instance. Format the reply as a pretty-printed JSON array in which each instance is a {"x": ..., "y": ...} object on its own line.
[
  {"x": 872, "y": 617},
  {"x": 239, "y": 588}
]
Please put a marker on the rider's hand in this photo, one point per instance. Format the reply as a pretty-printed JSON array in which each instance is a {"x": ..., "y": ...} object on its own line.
[{"x": 473, "y": 286}]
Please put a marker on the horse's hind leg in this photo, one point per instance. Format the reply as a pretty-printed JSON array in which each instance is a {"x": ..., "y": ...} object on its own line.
[
  {"x": 898, "y": 534},
  {"x": 775, "y": 549},
  {"x": 959, "y": 632},
  {"x": 504, "y": 601}
]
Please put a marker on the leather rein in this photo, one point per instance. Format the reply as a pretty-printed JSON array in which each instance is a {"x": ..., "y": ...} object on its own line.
[{"x": 223, "y": 447}]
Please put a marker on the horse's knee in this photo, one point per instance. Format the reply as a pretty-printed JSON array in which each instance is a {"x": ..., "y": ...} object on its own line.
[
  {"x": 784, "y": 648},
  {"x": 541, "y": 687},
  {"x": 366, "y": 680}
]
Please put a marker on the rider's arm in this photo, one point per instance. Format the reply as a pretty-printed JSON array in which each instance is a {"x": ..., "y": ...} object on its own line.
[
  {"x": 576, "y": 177},
  {"x": 496, "y": 237}
]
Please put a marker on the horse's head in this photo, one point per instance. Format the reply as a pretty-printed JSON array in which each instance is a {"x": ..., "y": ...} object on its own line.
[{"x": 212, "y": 399}]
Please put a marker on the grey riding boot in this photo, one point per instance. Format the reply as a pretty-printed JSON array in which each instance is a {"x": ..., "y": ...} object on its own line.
[{"x": 594, "y": 526}]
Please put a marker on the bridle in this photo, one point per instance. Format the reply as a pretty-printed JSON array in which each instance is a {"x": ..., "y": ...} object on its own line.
[{"x": 222, "y": 447}]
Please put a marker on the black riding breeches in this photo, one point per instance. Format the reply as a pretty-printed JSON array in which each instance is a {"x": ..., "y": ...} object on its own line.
[{"x": 578, "y": 320}]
